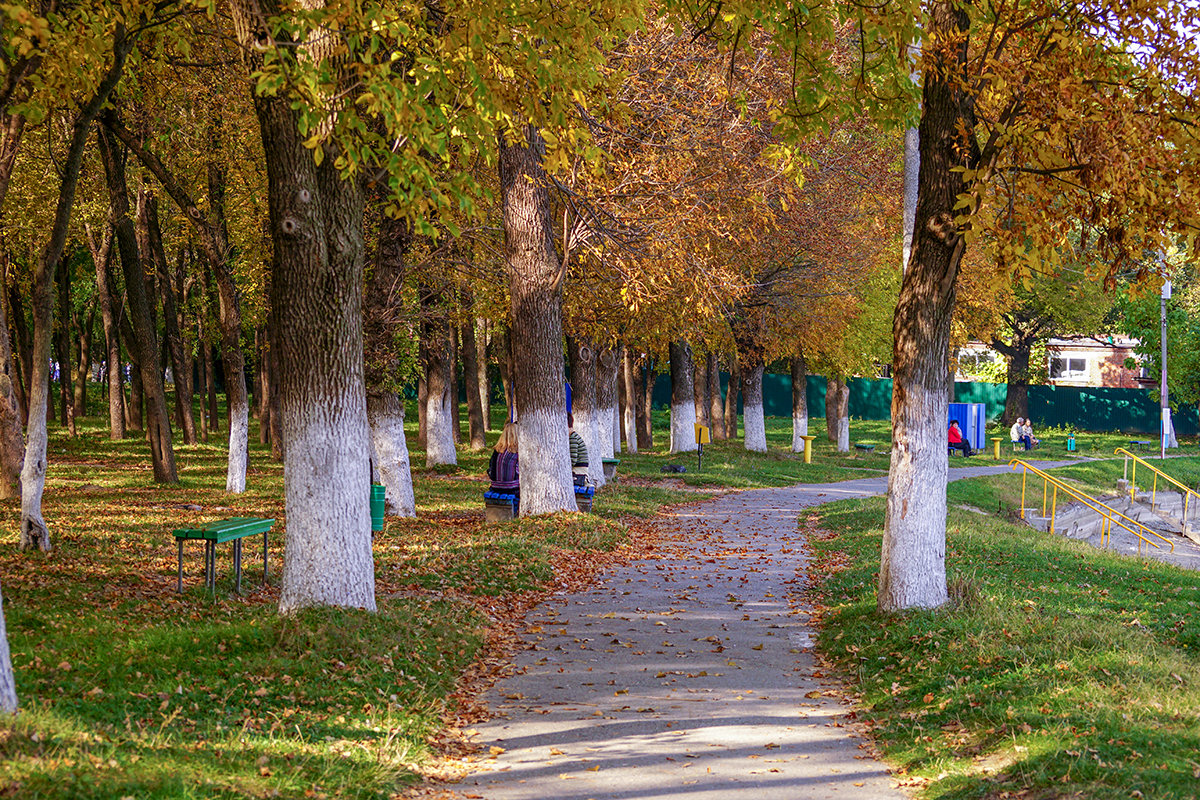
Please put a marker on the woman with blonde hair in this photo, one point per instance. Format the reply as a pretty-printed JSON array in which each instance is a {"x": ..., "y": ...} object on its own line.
[{"x": 502, "y": 469}]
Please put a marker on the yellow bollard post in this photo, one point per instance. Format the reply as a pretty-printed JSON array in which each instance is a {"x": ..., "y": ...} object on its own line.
[
  {"x": 996, "y": 448},
  {"x": 808, "y": 440}
]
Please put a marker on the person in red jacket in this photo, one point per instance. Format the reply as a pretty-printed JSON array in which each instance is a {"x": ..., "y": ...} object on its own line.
[{"x": 955, "y": 437}]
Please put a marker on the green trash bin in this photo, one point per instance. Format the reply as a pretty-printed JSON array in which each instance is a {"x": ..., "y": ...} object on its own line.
[{"x": 378, "y": 496}]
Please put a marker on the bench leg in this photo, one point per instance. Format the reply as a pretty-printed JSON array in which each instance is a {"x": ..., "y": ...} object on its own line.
[
  {"x": 179, "y": 574},
  {"x": 210, "y": 565},
  {"x": 237, "y": 565},
  {"x": 265, "y": 581}
]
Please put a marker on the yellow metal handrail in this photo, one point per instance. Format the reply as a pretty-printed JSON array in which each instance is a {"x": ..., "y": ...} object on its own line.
[
  {"x": 1109, "y": 514},
  {"x": 1188, "y": 493}
]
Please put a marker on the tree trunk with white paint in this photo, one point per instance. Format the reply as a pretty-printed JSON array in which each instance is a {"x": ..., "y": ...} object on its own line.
[
  {"x": 8, "y": 684},
  {"x": 471, "y": 375},
  {"x": 753, "y": 419},
  {"x": 643, "y": 392},
  {"x": 439, "y": 419},
  {"x": 629, "y": 415},
  {"x": 840, "y": 402},
  {"x": 799, "y": 403},
  {"x": 683, "y": 404},
  {"x": 385, "y": 414},
  {"x": 913, "y": 559},
  {"x": 316, "y": 222},
  {"x": 385, "y": 409},
  {"x": 609, "y": 440},
  {"x": 535, "y": 276},
  {"x": 716, "y": 407},
  {"x": 584, "y": 405}
]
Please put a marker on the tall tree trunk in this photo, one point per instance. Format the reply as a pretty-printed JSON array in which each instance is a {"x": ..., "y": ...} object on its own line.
[
  {"x": 134, "y": 407},
  {"x": 422, "y": 399},
  {"x": 731, "y": 399},
  {"x": 607, "y": 361},
  {"x": 262, "y": 385},
  {"x": 34, "y": 532},
  {"x": 502, "y": 344},
  {"x": 62, "y": 351},
  {"x": 799, "y": 402},
  {"x": 584, "y": 405},
  {"x": 385, "y": 408},
  {"x": 683, "y": 406},
  {"x": 837, "y": 406},
  {"x": 716, "y": 407},
  {"x": 753, "y": 418},
  {"x": 148, "y": 221},
  {"x": 83, "y": 363},
  {"x": 202, "y": 373},
  {"x": 23, "y": 338},
  {"x": 12, "y": 443},
  {"x": 643, "y": 392},
  {"x": 471, "y": 377},
  {"x": 535, "y": 278},
  {"x": 8, "y": 685},
  {"x": 158, "y": 425},
  {"x": 1018, "y": 353},
  {"x": 455, "y": 416},
  {"x": 316, "y": 229},
  {"x": 436, "y": 359},
  {"x": 912, "y": 565},
  {"x": 274, "y": 419},
  {"x": 481, "y": 364},
  {"x": 11, "y": 332},
  {"x": 700, "y": 391},
  {"x": 627, "y": 402}
]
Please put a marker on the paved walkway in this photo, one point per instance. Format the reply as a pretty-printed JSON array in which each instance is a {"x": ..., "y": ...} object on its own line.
[{"x": 690, "y": 676}]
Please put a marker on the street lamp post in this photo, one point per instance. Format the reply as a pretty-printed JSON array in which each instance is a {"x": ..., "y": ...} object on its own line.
[{"x": 1165, "y": 424}]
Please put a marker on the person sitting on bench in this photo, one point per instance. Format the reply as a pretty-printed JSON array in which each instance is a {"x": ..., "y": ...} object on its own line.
[
  {"x": 1027, "y": 435},
  {"x": 955, "y": 437},
  {"x": 503, "y": 467},
  {"x": 579, "y": 453},
  {"x": 1018, "y": 435}
]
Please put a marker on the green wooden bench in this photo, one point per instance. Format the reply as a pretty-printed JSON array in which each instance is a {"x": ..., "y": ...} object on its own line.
[
  {"x": 214, "y": 533},
  {"x": 610, "y": 468}
]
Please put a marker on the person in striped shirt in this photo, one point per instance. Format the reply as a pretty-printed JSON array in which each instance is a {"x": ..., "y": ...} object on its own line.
[{"x": 579, "y": 453}]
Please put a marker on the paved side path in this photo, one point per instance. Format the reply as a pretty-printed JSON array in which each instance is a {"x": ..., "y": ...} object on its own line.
[{"x": 685, "y": 677}]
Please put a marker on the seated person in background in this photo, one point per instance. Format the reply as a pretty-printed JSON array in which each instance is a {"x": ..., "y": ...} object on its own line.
[
  {"x": 502, "y": 469},
  {"x": 1027, "y": 436},
  {"x": 579, "y": 453},
  {"x": 1018, "y": 435},
  {"x": 955, "y": 438}
]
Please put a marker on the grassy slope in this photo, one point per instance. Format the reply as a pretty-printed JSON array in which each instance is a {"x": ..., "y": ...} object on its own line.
[
  {"x": 129, "y": 689},
  {"x": 1061, "y": 672}
]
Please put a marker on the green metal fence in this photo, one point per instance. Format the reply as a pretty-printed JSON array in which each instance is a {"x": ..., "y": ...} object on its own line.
[{"x": 1131, "y": 411}]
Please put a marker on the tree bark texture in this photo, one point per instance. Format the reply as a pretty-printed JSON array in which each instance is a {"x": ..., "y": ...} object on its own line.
[
  {"x": 716, "y": 407},
  {"x": 683, "y": 404},
  {"x": 34, "y": 532},
  {"x": 841, "y": 403},
  {"x": 912, "y": 565},
  {"x": 382, "y": 328},
  {"x": 799, "y": 402},
  {"x": 700, "y": 391},
  {"x": 152, "y": 233},
  {"x": 535, "y": 276},
  {"x": 85, "y": 326},
  {"x": 438, "y": 366},
  {"x": 62, "y": 351},
  {"x": 643, "y": 393},
  {"x": 607, "y": 361},
  {"x": 12, "y": 443},
  {"x": 23, "y": 346},
  {"x": 471, "y": 374},
  {"x": 8, "y": 684},
  {"x": 629, "y": 402},
  {"x": 316, "y": 221},
  {"x": 584, "y": 405},
  {"x": 158, "y": 424},
  {"x": 832, "y": 387},
  {"x": 731, "y": 400},
  {"x": 754, "y": 421},
  {"x": 481, "y": 366}
]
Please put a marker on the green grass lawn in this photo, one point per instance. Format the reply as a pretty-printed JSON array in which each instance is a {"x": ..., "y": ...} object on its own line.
[
  {"x": 1059, "y": 670},
  {"x": 129, "y": 689}
]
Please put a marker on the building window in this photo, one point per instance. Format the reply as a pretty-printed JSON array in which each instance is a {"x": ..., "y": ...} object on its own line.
[{"x": 1071, "y": 369}]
